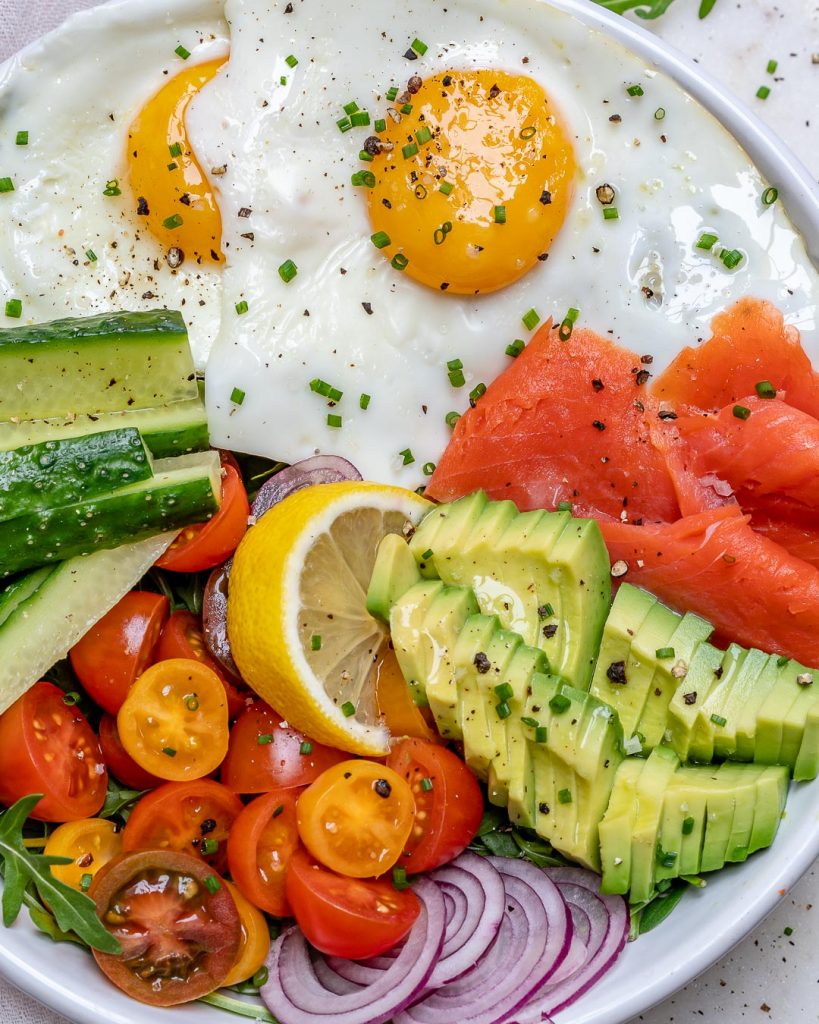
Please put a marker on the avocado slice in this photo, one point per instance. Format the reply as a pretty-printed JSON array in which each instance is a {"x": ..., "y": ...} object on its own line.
[
  {"x": 683, "y": 825},
  {"x": 628, "y": 612},
  {"x": 651, "y": 787},
  {"x": 617, "y": 826},
  {"x": 747, "y": 714},
  {"x": 394, "y": 572},
  {"x": 807, "y": 761},
  {"x": 729, "y": 696},
  {"x": 685, "y": 705},
  {"x": 720, "y": 807},
  {"x": 743, "y": 778},
  {"x": 795, "y": 720},
  {"x": 709, "y": 717},
  {"x": 775, "y": 709},
  {"x": 445, "y": 526},
  {"x": 771, "y": 793}
]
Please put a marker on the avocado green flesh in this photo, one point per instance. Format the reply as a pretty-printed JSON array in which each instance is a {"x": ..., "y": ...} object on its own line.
[
  {"x": 772, "y": 791},
  {"x": 617, "y": 827},
  {"x": 701, "y": 747},
  {"x": 394, "y": 572},
  {"x": 651, "y": 787},
  {"x": 692, "y": 693}
]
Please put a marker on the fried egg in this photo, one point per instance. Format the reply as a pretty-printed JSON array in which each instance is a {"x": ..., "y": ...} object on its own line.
[
  {"x": 411, "y": 188},
  {"x": 107, "y": 206}
]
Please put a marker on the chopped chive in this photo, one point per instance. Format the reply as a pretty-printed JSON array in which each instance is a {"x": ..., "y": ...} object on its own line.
[
  {"x": 333, "y": 420},
  {"x": 287, "y": 271},
  {"x": 264, "y": 738},
  {"x": 719, "y": 720},
  {"x": 350, "y": 108},
  {"x": 516, "y": 347},
  {"x": 209, "y": 847},
  {"x": 528, "y": 132},
  {"x": 456, "y": 378},
  {"x": 611, "y": 213},
  {"x": 742, "y": 412},
  {"x": 572, "y": 314},
  {"x": 237, "y": 396},
  {"x": 360, "y": 119},
  {"x": 364, "y": 401},
  {"x": 452, "y": 418},
  {"x": 455, "y": 364},
  {"x": 348, "y": 709},
  {"x": 426, "y": 785},
  {"x": 112, "y": 188},
  {"x": 688, "y": 826},
  {"x": 659, "y": 113},
  {"x": 531, "y": 319},
  {"x": 380, "y": 239},
  {"x": 477, "y": 392},
  {"x": 291, "y": 61},
  {"x": 428, "y": 468},
  {"x": 439, "y": 234},
  {"x": 392, "y": 92},
  {"x": 380, "y": 125},
  {"x": 90, "y": 255},
  {"x": 169, "y": 751},
  {"x": 564, "y": 796},
  {"x": 315, "y": 642},
  {"x": 545, "y": 611},
  {"x": 499, "y": 213},
  {"x": 21, "y": 139},
  {"x": 663, "y": 653},
  {"x": 426, "y": 555},
  {"x": 172, "y": 166},
  {"x": 344, "y": 124},
  {"x": 446, "y": 187},
  {"x": 407, "y": 456},
  {"x": 635, "y": 90},
  {"x": 71, "y": 698},
  {"x": 6, "y": 185},
  {"x": 242, "y": 307},
  {"x": 399, "y": 879},
  {"x": 763, "y": 92},
  {"x": 765, "y": 389},
  {"x": 282, "y": 79},
  {"x": 365, "y": 156},
  {"x": 174, "y": 221},
  {"x": 782, "y": 661},
  {"x": 14, "y": 308},
  {"x": 731, "y": 258},
  {"x": 409, "y": 150},
  {"x": 363, "y": 178},
  {"x": 419, "y": 47},
  {"x": 406, "y": 108},
  {"x": 175, "y": 149},
  {"x": 212, "y": 884},
  {"x": 279, "y": 810},
  {"x": 399, "y": 261},
  {"x": 560, "y": 703},
  {"x": 787, "y": 931},
  {"x": 541, "y": 734},
  {"x": 423, "y": 135},
  {"x": 504, "y": 691},
  {"x": 306, "y": 748},
  {"x": 706, "y": 241},
  {"x": 772, "y": 66},
  {"x": 532, "y": 723},
  {"x": 770, "y": 196},
  {"x": 564, "y": 332},
  {"x": 564, "y": 506},
  {"x": 503, "y": 710},
  {"x": 85, "y": 882},
  {"x": 180, "y": 51},
  {"x": 665, "y": 858}
]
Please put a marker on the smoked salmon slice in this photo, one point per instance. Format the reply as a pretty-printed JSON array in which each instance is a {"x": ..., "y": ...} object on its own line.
[
  {"x": 569, "y": 420},
  {"x": 750, "y": 343},
  {"x": 713, "y": 563}
]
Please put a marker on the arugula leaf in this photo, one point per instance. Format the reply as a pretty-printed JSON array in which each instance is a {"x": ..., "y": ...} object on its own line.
[
  {"x": 45, "y": 923},
  {"x": 184, "y": 590},
  {"x": 239, "y": 1006},
  {"x": 72, "y": 910},
  {"x": 648, "y": 9},
  {"x": 706, "y": 6},
  {"x": 118, "y": 800},
  {"x": 653, "y": 913},
  {"x": 538, "y": 851}
]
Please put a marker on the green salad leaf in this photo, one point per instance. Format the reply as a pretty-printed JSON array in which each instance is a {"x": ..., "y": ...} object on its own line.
[
  {"x": 648, "y": 9},
  {"x": 72, "y": 911}
]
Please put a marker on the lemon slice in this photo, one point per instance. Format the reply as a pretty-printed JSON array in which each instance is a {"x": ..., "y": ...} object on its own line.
[{"x": 298, "y": 624}]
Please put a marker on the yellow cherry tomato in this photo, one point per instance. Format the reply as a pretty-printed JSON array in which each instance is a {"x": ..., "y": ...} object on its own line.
[
  {"x": 255, "y": 942},
  {"x": 356, "y": 817},
  {"x": 90, "y": 843},
  {"x": 174, "y": 722}
]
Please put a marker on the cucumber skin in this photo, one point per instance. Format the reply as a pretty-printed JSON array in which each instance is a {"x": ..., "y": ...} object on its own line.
[
  {"x": 21, "y": 589},
  {"x": 107, "y": 522},
  {"x": 37, "y": 477},
  {"x": 164, "y": 444},
  {"x": 113, "y": 326}
]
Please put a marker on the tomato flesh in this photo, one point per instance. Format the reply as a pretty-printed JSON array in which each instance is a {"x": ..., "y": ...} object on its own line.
[
  {"x": 265, "y": 753},
  {"x": 176, "y": 922},
  {"x": 90, "y": 843},
  {"x": 448, "y": 802},
  {"x": 193, "y": 817},
  {"x": 262, "y": 841},
  {"x": 47, "y": 746},
  {"x": 205, "y": 545},
  {"x": 349, "y": 917},
  {"x": 119, "y": 647},
  {"x": 397, "y": 709},
  {"x": 119, "y": 762},
  {"x": 255, "y": 941}
]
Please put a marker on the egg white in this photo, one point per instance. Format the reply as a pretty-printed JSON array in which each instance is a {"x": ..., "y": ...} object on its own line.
[{"x": 75, "y": 93}]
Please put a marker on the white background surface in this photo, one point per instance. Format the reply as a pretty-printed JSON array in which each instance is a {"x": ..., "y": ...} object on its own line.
[{"x": 770, "y": 976}]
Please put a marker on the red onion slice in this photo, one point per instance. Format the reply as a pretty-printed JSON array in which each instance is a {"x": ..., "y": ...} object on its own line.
[
  {"x": 296, "y": 995},
  {"x": 214, "y": 617}
]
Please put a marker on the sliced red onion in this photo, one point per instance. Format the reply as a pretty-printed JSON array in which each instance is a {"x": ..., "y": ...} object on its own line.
[
  {"x": 320, "y": 469},
  {"x": 296, "y": 995},
  {"x": 533, "y": 940},
  {"x": 605, "y": 921}
]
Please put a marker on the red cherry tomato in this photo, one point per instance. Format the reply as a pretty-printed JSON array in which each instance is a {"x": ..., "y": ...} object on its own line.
[
  {"x": 350, "y": 917},
  {"x": 205, "y": 545},
  {"x": 182, "y": 638},
  {"x": 177, "y": 924},
  {"x": 264, "y": 753},
  {"x": 119, "y": 647},
  {"x": 120, "y": 763},
  {"x": 47, "y": 746},
  {"x": 262, "y": 840},
  {"x": 194, "y": 817},
  {"x": 448, "y": 803}
]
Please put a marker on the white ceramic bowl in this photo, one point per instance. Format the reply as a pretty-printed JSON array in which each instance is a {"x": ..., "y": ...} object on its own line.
[{"x": 707, "y": 923}]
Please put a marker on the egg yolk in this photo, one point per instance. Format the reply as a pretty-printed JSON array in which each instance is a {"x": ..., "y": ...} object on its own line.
[
  {"x": 472, "y": 181},
  {"x": 171, "y": 192}
]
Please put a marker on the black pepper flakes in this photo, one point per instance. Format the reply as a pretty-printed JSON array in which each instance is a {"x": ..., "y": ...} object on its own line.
[
  {"x": 546, "y": 197},
  {"x": 142, "y": 207},
  {"x": 642, "y": 378},
  {"x": 598, "y": 425},
  {"x": 382, "y": 788},
  {"x": 690, "y": 698},
  {"x": 482, "y": 663},
  {"x": 667, "y": 414},
  {"x": 616, "y": 673},
  {"x": 549, "y": 631},
  {"x": 367, "y": 307},
  {"x": 598, "y": 384}
]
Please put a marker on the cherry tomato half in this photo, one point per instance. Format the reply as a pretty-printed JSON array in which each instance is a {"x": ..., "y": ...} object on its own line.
[
  {"x": 205, "y": 545},
  {"x": 255, "y": 941},
  {"x": 174, "y": 722},
  {"x": 262, "y": 840},
  {"x": 265, "y": 753},
  {"x": 349, "y": 917},
  {"x": 177, "y": 924},
  {"x": 356, "y": 817},
  {"x": 194, "y": 817},
  {"x": 47, "y": 746},
  {"x": 398, "y": 710},
  {"x": 120, "y": 763},
  {"x": 448, "y": 803},
  {"x": 90, "y": 843},
  {"x": 119, "y": 647}
]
